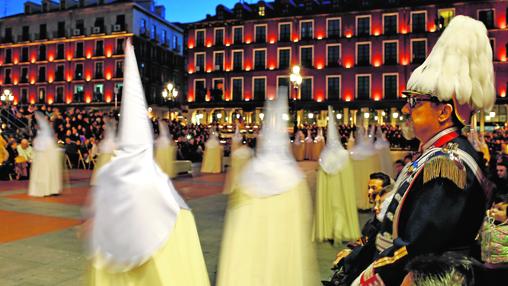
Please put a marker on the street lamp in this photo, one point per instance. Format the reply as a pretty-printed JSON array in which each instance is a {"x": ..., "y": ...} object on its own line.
[
  {"x": 169, "y": 94},
  {"x": 7, "y": 96},
  {"x": 296, "y": 80}
]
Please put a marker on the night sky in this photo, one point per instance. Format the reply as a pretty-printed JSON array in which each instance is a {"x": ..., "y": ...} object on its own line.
[{"x": 176, "y": 10}]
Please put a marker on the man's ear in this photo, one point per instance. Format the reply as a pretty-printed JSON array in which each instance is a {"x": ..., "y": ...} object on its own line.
[{"x": 446, "y": 113}]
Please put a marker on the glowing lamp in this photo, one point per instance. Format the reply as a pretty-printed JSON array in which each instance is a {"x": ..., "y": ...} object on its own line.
[
  {"x": 377, "y": 33},
  {"x": 349, "y": 34},
  {"x": 68, "y": 100},
  {"x": 403, "y": 30},
  {"x": 432, "y": 28},
  {"x": 320, "y": 36},
  {"x": 227, "y": 70},
  {"x": 404, "y": 61},
  {"x": 69, "y": 78},
  {"x": 208, "y": 70},
  {"x": 348, "y": 98},
  {"x": 50, "y": 79},
  {"x": 377, "y": 97},
  {"x": 502, "y": 58},
  {"x": 191, "y": 46},
  {"x": 247, "y": 68},
  {"x": 502, "y": 93},
  {"x": 347, "y": 65},
  {"x": 69, "y": 56},
  {"x": 319, "y": 66},
  {"x": 88, "y": 54},
  {"x": 88, "y": 100},
  {"x": 108, "y": 99},
  {"x": 15, "y": 81},
  {"x": 32, "y": 101},
  {"x": 272, "y": 67},
  {"x": 108, "y": 75},
  {"x": 50, "y": 58},
  {"x": 295, "y": 40},
  {"x": 109, "y": 53},
  {"x": 319, "y": 99},
  {"x": 248, "y": 41},
  {"x": 32, "y": 81},
  {"x": 50, "y": 100},
  {"x": 88, "y": 78},
  {"x": 209, "y": 44},
  {"x": 191, "y": 71},
  {"x": 15, "y": 61},
  {"x": 32, "y": 60},
  {"x": 377, "y": 63},
  {"x": 272, "y": 41},
  {"x": 228, "y": 44}
]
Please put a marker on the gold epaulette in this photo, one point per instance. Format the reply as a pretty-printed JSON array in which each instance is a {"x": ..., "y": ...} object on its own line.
[
  {"x": 447, "y": 166},
  {"x": 398, "y": 254}
]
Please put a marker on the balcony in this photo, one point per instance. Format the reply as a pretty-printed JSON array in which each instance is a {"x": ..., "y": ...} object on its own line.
[
  {"x": 24, "y": 38},
  {"x": 8, "y": 39},
  {"x": 41, "y": 36},
  {"x": 59, "y": 34},
  {"x": 118, "y": 27},
  {"x": 97, "y": 29}
]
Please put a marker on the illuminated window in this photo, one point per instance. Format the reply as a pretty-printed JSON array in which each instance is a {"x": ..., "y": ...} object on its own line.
[
  {"x": 261, "y": 11},
  {"x": 306, "y": 30},
  {"x": 444, "y": 17}
]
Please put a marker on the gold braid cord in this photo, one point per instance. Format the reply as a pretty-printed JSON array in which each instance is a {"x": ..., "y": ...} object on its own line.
[
  {"x": 399, "y": 253},
  {"x": 445, "y": 167}
]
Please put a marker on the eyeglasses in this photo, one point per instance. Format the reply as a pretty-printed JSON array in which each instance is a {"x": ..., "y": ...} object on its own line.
[{"x": 412, "y": 101}]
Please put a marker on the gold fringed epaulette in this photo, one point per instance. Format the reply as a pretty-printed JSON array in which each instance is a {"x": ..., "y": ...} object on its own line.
[{"x": 445, "y": 166}]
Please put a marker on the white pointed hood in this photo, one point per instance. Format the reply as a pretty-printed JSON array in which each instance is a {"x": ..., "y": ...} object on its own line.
[
  {"x": 381, "y": 141},
  {"x": 351, "y": 141},
  {"x": 213, "y": 140},
  {"x": 299, "y": 137},
  {"x": 274, "y": 170},
  {"x": 334, "y": 157},
  {"x": 44, "y": 138},
  {"x": 363, "y": 147},
  {"x": 134, "y": 205},
  {"x": 164, "y": 138},
  {"x": 108, "y": 144},
  {"x": 237, "y": 138},
  {"x": 320, "y": 136}
]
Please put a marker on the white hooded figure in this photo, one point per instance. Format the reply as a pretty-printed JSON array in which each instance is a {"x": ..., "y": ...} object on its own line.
[
  {"x": 309, "y": 142},
  {"x": 213, "y": 155},
  {"x": 318, "y": 145},
  {"x": 382, "y": 147},
  {"x": 267, "y": 232},
  {"x": 47, "y": 164},
  {"x": 336, "y": 214},
  {"x": 365, "y": 162},
  {"x": 299, "y": 146},
  {"x": 165, "y": 151},
  {"x": 106, "y": 149},
  {"x": 239, "y": 156},
  {"x": 142, "y": 232}
]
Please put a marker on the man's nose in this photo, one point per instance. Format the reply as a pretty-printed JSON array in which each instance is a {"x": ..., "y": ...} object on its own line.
[{"x": 406, "y": 109}]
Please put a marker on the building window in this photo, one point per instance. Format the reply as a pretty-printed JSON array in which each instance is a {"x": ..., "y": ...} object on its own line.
[
  {"x": 285, "y": 32},
  {"x": 8, "y": 56},
  {"x": 390, "y": 24},
  {"x": 259, "y": 88},
  {"x": 218, "y": 61},
  {"x": 24, "y": 96},
  {"x": 60, "y": 51},
  {"x": 78, "y": 93},
  {"x": 119, "y": 46},
  {"x": 261, "y": 11},
  {"x": 24, "y": 54},
  {"x": 306, "y": 57},
  {"x": 260, "y": 33},
  {"x": 390, "y": 86},
  {"x": 306, "y": 92},
  {"x": 333, "y": 55},
  {"x": 43, "y": 33},
  {"x": 59, "y": 74},
  {"x": 7, "y": 76},
  {"x": 78, "y": 72},
  {"x": 363, "y": 54},
  {"x": 42, "y": 95},
  {"x": 24, "y": 75},
  {"x": 217, "y": 93},
  {"x": 8, "y": 36},
  {"x": 487, "y": 17},
  {"x": 119, "y": 69},
  {"x": 42, "y": 53},
  {"x": 61, "y": 29},
  {"x": 98, "y": 70},
  {"x": 200, "y": 62},
  {"x": 390, "y": 53},
  {"x": 283, "y": 82},
  {"x": 200, "y": 38},
  {"x": 418, "y": 22},
  {"x": 333, "y": 88},
  {"x": 237, "y": 88},
  {"x": 42, "y": 74},
  {"x": 219, "y": 37},
  {"x": 79, "y": 50},
  {"x": 237, "y": 35},
  {"x": 363, "y": 26},
  {"x": 418, "y": 48},
  {"x": 363, "y": 86},
  {"x": 98, "y": 92},
  {"x": 164, "y": 39},
  {"x": 259, "y": 59},
  {"x": 99, "y": 48},
  {"x": 306, "y": 30},
  {"x": 284, "y": 58},
  {"x": 199, "y": 90},
  {"x": 25, "y": 33},
  {"x": 444, "y": 17},
  {"x": 237, "y": 60},
  {"x": 333, "y": 28},
  {"x": 59, "y": 97}
]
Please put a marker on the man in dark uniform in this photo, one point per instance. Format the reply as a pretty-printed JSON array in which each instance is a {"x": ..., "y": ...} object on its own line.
[{"x": 440, "y": 198}]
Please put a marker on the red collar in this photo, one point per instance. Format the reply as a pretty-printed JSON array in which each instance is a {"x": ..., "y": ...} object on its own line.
[{"x": 442, "y": 138}]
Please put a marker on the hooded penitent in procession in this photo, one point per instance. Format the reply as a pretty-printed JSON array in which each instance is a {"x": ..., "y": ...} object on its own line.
[
  {"x": 365, "y": 161},
  {"x": 382, "y": 147},
  {"x": 239, "y": 156},
  {"x": 47, "y": 164},
  {"x": 106, "y": 148},
  {"x": 441, "y": 197},
  {"x": 165, "y": 151},
  {"x": 142, "y": 232},
  {"x": 336, "y": 217},
  {"x": 267, "y": 232},
  {"x": 213, "y": 155}
]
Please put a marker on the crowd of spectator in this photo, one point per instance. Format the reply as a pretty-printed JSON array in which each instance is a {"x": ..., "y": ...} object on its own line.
[{"x": 79, "y": 131}]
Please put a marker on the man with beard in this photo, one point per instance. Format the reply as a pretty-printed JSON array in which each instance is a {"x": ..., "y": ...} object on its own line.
[{"x": 440, "y": 198}]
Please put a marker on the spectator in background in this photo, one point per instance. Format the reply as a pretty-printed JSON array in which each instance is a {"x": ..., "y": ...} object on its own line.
[
  {"x": 25, "y": 150},
  {"x": 501, "y": 178},
  {"x": 397, "y": 167}
]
